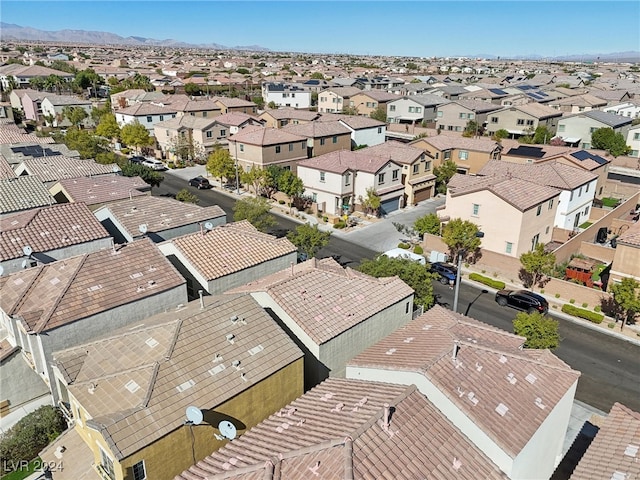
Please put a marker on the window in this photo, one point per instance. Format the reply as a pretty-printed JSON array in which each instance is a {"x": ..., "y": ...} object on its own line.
[
  {"x": 539, "y": 211},
  {"x": 323, "y": 99},
  {"x": 322, "y": 140},
  {"x": 418, "y": 109},
  {"x": 334, "y": 100},
  {"x": 471, "y": 116},
  {"x": 283, "y": 123},
  {"x": 520, "y": 121},
  {"x": 303, "y": 145},
  {"x": 107, "y": 464},
  {"x": 571, "y": 197},
  {"x": 314, "y": 197},
  {"x": 437, "y": 155},
  {"x": 529, "y": 122},
  {"x": 560, "y": 128},
  {"x": 139, "y": 472},
  {"x": 322, "y": 176},
  {"x": 394, "y": 174},
  {"x": 508, "y": 247},
  {"x": 291, "y": 147},
  {"x": 546, "y": 230},
  {"x": 462, "y": 115},
  {"x": 439, "y": 113},
  {"x": 476, "y": 209},
  {"x": 636, "y": 136},
  {"x": 277, "y": 148},
  {"x": 241, "y": 147},
  {"x": 458, "y": 129},
  {"x": 592, "y": 129},
  {"x": 581, "y": 109},
  {"x": 381, "y": 178},
  {"x": 416, "y": 168},
  {"x": 446, "y": 155},
  {"x": 209, "y": 134},
  {"x": 586, "y": 210},
  {"x": 347, "y": 179},
  {"x": 334, "y": 139},
  {"x": 293, "y": 95},
  {"x": 392, "y": 108},
  {"x": 173, "y": 116},
  {"x": 166, "y": 132},
  {"x": 580, "y": 192},
  {"x": 223, "y": 133},
  {"x": 406, "y": 308},
  {"x": 369, "y": 104},
  {"x": 412, "y": 109},
  {"x": 161, "y": 117},
  {"x": 204, "y": 114},
  {"x": 149, "y": 119},
  {"x": 494, "y": 119},
  {"x": 379, "y": 129},
  {"x": 534, "y": 241},
  {"x": 463, "y": 155},
  {"x": 287, "y": 168},
  {"x": 550, "y": 204},
  {"x": 427, "y": 166}
]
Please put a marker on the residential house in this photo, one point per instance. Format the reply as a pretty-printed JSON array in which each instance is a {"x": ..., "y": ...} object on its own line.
[
  {"x": 334, "y": 99},
  {"x": 378, "y": 83},
  {"x": 30, "y": 105},
  {"x": 612, "y": 97},
  {"x": 521, "y": 120},
  {"x": 219, "y": 258},
  {"x": 322, "y": 137},
  {"x": 364, "y": 130},
  {"x": 626, "y": 261},
  {"x": 490, "y": 95},
  {"x": 292, "y": 95},
  {"x": 515, "y": 214},
  {"x": 633, "y": 141},
  {"x": 50, "y": 170},
  {"x": 222, "y": 360},
  {"x": 196, "y": 108},
  {"x": 53, "y": 108},
  {"x": 22, "y": 74},
  {"x": 15, "y": 96},
  {"x": 235, "y": 105},
  {"x": 450, "y": 92},
  {"x": 345, "y": 429},
  {"x": 16, "y": 152},
  {"x": 414, "y": 109},
  {"x": 158, "y": 218},
  {"x": 627, "y": 109},
  {"x": 43, "y": 235},
  {"x": 97, "y": 191},
  {"x": 367, "y": 102},
  {"x": 281, "y": 117},
  {"x": 316, "y": 85},
  {"x": 127, "y": 98},
  {"x": 577, "y": 186},
  {"x": 262, "y": 147},
  {"x": 338, "y": 181},
  {"x": 577, "y": 129},
  {"x": 417, "y": 169},
  {"x": 147, "y": 114},
  {"x": 578, "y": 103},
  {"x": 68, "y": 302},
  {"x": 454, "y": 116},
  {"x": 512, "y": 403},
  {"x": 332, "y": 313},
  {"x": 22, "y": 193},
  {"x": 469, "y": 154}
]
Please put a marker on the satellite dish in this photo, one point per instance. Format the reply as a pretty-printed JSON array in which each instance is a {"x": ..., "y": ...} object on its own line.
[
  {"x": 194, "y": 415},
  {"x": 143, "y": 228},
  {"x": 27, "y": 250},
  {"x": 227, "y": 429},
  {"x": 208, "y": 226}
]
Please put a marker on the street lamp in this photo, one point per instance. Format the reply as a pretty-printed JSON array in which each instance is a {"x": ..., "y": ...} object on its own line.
[{"x": 459, "y": 274}]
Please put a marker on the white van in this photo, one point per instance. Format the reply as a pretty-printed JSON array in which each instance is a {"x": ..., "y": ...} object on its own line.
[{"x": 402, "y": 253}]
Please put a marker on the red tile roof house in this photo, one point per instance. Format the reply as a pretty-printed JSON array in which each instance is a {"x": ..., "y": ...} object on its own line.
[
  {"x": 227, "y": 256},
  {"x": 614, "y": 453},
  {"x": 322, "y": 137},
  {"x": 349, "y": 429},
  {"x": 332, "y": 312},
  {"x": 51, "y": 233},
  {"x": 50, "y": 170},
  {"x": 157, "y": 218},
  {"x": 97, "y": 191},
  {"x": 65, "y": 303},
  {"x": 513, "y": 403}
]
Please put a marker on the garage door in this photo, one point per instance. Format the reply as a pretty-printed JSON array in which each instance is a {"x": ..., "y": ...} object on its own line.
[
  {"x": 422, "y": 195},
  {"x": 389, "y": 206}
]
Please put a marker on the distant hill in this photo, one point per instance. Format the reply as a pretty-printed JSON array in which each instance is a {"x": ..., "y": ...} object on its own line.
[{"x": 9, "y": 31}]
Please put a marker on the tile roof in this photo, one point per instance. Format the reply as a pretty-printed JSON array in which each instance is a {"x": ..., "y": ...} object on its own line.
[
  {"x": 22, "y": 193},
  {"x": 147, "y": 108},
  {"x": 16, "y": 153},
  {"x": 186, "y": 121},
  {"x": 613, "y": 454},
  {"x": 585, "y": 100},
  {"x": 65, "y": 100},
  {"x": 5, "y": 169},
  {"x": 62, "y": 292},
  {"x": 489, "y": 369},
  {"x": 285, "y": 113},
  {"x": 446, "y": 142},
  {"x": 11, "y": 133},
  {"x": 48, "y": 228},
  {"x": 232, "y": 102},
  {"x": 326, "y": 299},
  {"x": 317, "y": 129},
  {"x": 139, "y": 373},
  {"x": 344, "y": 92},
  {"x": 103, "y": 189},
  {"x": 262, "y": 136},
  {"x": 631, "y": 236},
  {"x": 610, "y": 119},
  {"x": 236, "y": 119},
  {"x": 427, "y": 99},
  {"x": 158, "y": 213},
  {"x": 338, "y": 430},
  {"x": 536, "y": 110},
  {"x": 230, "y": 248},
  {"x": 359, "y": 122},
  {"x": 380, "y": 95},
  {"x": 51, "y": 169},
  {"x": 522, "y": 194},
  {"x": 342, "y": 160},
  {"x": 397, "y": 151},
  {"x": 19, "y": 70},
  {"x": 477, "y": 106},
  {"x": 551, "y": 173}
]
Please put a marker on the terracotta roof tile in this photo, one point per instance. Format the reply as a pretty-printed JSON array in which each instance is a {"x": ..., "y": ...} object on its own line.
[
  {"x": 103, "y": 189},
  {"x": 147, "y": 108},
  {"x": 317, "y": 129},
  {"x": 338, "y": 430},
  {"x": 48, "y": 228},
  {"x": 137, "y": 373},
  {"x": 285, "y": 113},
  {"x": 50, "y": 169},
  {"x": 22, "y": 193},
  {"x": 446, "y": 142},
  {"x": 552, "y": 173},
  {"x": 631, "y": 236},
  {"x": 399, "y": 152},
  {"x": 5, "y": 169},
  {"x": 10, "y": 133},
  {"x": 342, "y": 160},
  {"x": 262, "y": 136}
]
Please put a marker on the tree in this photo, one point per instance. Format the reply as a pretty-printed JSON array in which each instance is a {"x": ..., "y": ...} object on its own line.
[
  {"x": 413, "y": 273},
  {"x": 608, "y": 139},
  {"x": 108, "y": 126},
  {"x": 371, "y": 203},
  {"x": 272, "y": 105},
  {"x": 53, "y": 82},
  {"x": 472, "y": 129},
  {"x": 37, "y": 83},
  {"x": 185, "y": 148},
  {"x": 259, "y": 101},
  {"x": 626, "y": 299},
  {"x": 75, "y": 115},
  {"x": 186, "y": 196},
  {"x": 500, "y": 134},
  {"x": 151, "y": 177},
  {"x": 309, "y": 239},
  {"x": 542, "y": 135},
  {"x": 349, "y": 110},
  {"x": 379, "y": 114},
  {"x": 88, "y": 78},
  {"x": 255, "y": 177},
  {"x": 272, "y": 179},
  {"x": 193, "y": 89},
  {"x": 136, "y": 135},
  {"x": 443, "y": 174},
  {"x": 221, "y": 165},
  {"x": 87, "y": 145},
  {"x": 429, "y": 223},
  {"x": 98, "y": 112},
  {"x": 461, "y": 236},
  {"x": 540, "y": 331},
  {"x": 317, "y": 76},
  {"x": 291, "y": 185},
  {"x": 538, "y": 263},
  {"x": 255, "y": 211}
]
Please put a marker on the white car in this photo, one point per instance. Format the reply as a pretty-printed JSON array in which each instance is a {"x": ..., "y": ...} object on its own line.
[{"x": 153, "y": 164}]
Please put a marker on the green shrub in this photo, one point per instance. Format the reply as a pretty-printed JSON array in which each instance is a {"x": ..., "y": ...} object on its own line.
[
  {"x": 466, "y": 265},
  {"x": 542, "y": 290},
  {"x": 585, "y": 304},
  {"x": 325, "y": 218},
  {"x": 340, "y": 225},
  {"x": 281, "y": 202},
  {"x": 30, "y": 435},
  {"x": 572, "y": 301},
  {"x": 611, "y": 325},
  {"x": 418, "y": 249},
  {"x": 597, "y": 308},
  {"x": 125, "y": 151},
  {"x": 582, "y": 313},
  {"x": 483, "y": 271},
  {"x": 557, "y": 295},
  {"x": 171, "y": 165},
  {"x": 404, "y": 246},
  {"x": 487, "y": 281}
]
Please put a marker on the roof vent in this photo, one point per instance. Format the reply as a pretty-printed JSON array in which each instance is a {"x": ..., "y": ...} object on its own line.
[
  {"x": 234, "y": 319},
  {"x": 230, "y": 337},
  {"x": 631, "y": 450},
  {"x": 244, "y": 378},
  {"x": 531, "y": 378},
  {"x": 151, "y": 342},
  {"x": 456, "y": 464},
  {"x": 92, "y": 388},
  {"x": 236, "y": 364},
  {"x": 132, "y": 386},
  {"x": 539, "y": 403},
  {"x": 502, "y": 409},
  {"x": 512, "y": 378},
  {"x": 478, "y": 367},
  {"x": 185, "y": 386},
  {"x": 619, "y": 476},
  {"x": 503, "y": 359},
  {"x": 256, "y": 349},
  {"x": 217, "y": 369},
  {"x": 217, "y": 358}
]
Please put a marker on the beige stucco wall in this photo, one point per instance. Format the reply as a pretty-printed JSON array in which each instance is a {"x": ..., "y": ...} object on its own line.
[{"x": 343, "y": 142}]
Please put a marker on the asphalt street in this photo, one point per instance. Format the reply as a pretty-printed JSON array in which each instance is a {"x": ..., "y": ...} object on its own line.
[{"x": 610, "y": 367}]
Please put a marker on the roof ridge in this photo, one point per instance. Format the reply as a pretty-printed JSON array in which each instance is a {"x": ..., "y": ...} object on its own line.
[
  {"x": 152, "y": 382},
  {"x": 23, "y": 298},
  {"x": 174, "y": 340},
  {"x": 115, "y": 374},
  {"x": 376, "y": 416}
]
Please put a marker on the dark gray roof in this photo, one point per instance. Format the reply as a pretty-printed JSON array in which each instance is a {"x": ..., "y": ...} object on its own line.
[
  {"x": 611, "y": 119},
  {"x": 427, "y": 99},
  {"x": 23, "y": 193}
]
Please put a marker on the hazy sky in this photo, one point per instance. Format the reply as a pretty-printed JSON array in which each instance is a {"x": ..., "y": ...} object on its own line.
[{"x": 413, "y": 28}]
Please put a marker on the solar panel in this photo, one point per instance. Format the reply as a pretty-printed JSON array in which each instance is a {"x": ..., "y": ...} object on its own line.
[
  {"x": 584, "y": 155},
  {"x": 34, "y": 151},
  {"x": 526, "y": 151},
  {"x": 497, "y": 91}
]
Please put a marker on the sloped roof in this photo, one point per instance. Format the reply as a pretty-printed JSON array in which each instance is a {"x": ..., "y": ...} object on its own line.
[
  {"x": 489, "y": 369},
  {"x": 145, "y": 377},
  {"x": 477, "y": 106},
  {"x": 5, "y": 169},
  {"x": 631, "y": 236},
  {"x": 397, "y": 151},
  {"x": 344, "y": 92},
  {"x": 65, "y": 100},
  {"x": 317, "y": 129},
  {"x": 288, "y": 112},
  {"x": 50, "y": 169},
  {"x": 62, "y": 292},
  {"x": 236, "y": 119},
  {"x": 342, "y": 160},
  {"x": 102, "y": 189},
  {"x": 22, "y": 193},
  {"x": 10, "y": 133},
  {"x": 551, "y": 173},
  {"x": 338, "y": 430},
  {"x": 446, "y": 142},
  {"x": 325, "y": 299},
  {"x": 255, "y": 135},
  {"x": 147, "y": 108}
]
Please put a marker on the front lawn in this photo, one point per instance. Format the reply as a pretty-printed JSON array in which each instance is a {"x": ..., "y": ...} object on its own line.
[{"x": 610, "y": 202}]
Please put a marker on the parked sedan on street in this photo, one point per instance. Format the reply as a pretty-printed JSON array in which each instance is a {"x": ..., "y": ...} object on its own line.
[
  {"x": 445, "y": 271},
  {"x": 199, "y": 182},
  {"x": 153, "y": 164},
  {"x": 522, "y": 300}
]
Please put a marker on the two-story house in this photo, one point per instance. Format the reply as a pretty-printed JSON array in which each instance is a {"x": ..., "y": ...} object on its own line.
[
  {"x": 322, "y": 137},
  {"x": 469, "y": 154},
  {"x": 414, "y": 108},
  {"x": 281, "y": 117},
  {"x": 364, "y": 130},
  {"x": 578, "y": 103},
  {"x": 454, "y": 116},
  {"x": 147, "y": 114},
  {"x": 521, "y": 120},
  {"x": 633, "y": 140},
  {"x": 334, "y": 99},
  {"x": 20, "y": 75},
  {"x": 53, "y": 108},
  {"x": 368, "y": 101},
  {"x": 286, "y": 95},
  {"x": 577, "y": 129},
  {"x": 237, "y": 105}
]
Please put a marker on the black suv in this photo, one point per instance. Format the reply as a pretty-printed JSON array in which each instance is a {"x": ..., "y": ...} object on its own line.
[
  {"x": 445, "y": 271},
  {"x": 522, "y": 300},
  {"x": 137, "y": 159},
  {"x": 199, "y": 182}
]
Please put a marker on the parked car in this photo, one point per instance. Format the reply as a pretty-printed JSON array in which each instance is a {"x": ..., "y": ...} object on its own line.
[
  {"x": 522, "y": 300},
  {"x": 137, "y": 159},
  {"x": 199, "y": 182},
  {"x": 153, "y": 164},
  {"x": 445, "y": 271}
]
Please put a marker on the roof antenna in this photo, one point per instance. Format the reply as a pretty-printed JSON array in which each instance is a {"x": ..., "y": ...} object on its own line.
[{"x": 201, "y": 299}]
